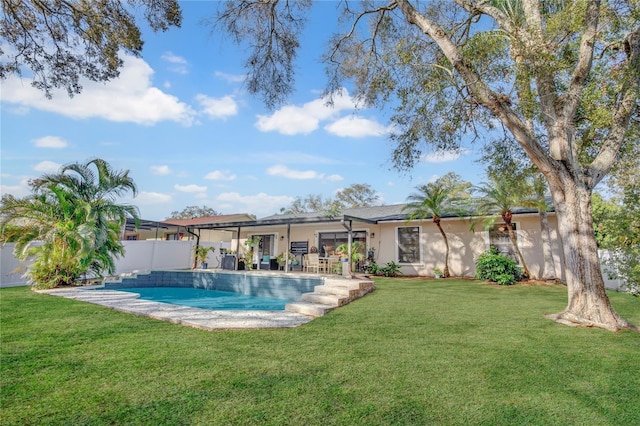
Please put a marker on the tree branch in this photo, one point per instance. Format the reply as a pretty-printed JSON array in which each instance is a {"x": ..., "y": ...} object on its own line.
[
  {"x": 609, "y": 150},
  {"x": 477, "y": 87},
  {"x": 570, "y": 100}
]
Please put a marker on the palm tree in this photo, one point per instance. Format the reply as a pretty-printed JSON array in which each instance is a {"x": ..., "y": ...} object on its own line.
[
  {"x": 435, "y": 200},
  {"x": 74, "y": 215},
  {"x": 503, "y": 196}
]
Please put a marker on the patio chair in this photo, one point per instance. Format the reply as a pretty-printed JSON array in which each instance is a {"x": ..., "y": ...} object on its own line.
[
  {"x": 266, "y": 262},
  {"x": 313, "y": 263}
]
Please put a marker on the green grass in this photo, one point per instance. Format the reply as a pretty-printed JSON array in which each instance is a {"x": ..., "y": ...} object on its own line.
[{"x": 414, "y": 352}]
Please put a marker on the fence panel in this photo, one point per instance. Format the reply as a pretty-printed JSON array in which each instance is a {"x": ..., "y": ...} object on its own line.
[{"x": 141, "y": 255}]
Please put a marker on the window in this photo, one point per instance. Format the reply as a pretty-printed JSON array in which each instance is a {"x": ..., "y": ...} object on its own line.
[
  {"x": 131, "y": 237},
  {"x": 409, "y": 244},
  {"x": 499, "y": 237},
  {"x": 329, "y": 241}
]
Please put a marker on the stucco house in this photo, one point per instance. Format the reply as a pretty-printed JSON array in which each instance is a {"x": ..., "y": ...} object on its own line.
[{"x": 416, "y": 245}]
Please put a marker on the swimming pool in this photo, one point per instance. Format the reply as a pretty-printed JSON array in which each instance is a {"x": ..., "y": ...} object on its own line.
[
  {"x": 217, "y": 290},
  {"x": 208, "y": 299}
]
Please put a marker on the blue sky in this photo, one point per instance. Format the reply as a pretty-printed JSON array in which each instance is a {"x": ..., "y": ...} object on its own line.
[{"x": 180, "y": 120}]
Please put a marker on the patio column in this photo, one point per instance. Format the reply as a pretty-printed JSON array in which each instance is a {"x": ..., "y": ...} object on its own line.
[
  {"x": 237, "y": 249},
  {"x": 286, "y": 256}
]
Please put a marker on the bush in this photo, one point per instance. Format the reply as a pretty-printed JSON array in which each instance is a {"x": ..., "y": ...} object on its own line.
[
  {"x": 391, "y": 269},
  {"x": 372, "y": 268},
  {"x": 494, "y": 266},
  {"x": 505, "y": 279}
]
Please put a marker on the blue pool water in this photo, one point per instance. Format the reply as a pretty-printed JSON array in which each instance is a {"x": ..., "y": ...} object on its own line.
[{"x": 208, "y": 299}]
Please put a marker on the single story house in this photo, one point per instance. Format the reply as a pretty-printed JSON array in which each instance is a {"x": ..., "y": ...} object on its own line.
[{"x": 416, "y": 245}]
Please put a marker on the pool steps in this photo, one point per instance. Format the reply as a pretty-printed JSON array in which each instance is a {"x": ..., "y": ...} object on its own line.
[{"x": 335, "y": 292}]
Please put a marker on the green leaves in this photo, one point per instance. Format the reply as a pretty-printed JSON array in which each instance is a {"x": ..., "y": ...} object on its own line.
[
  {"x": 62, "y": 41},
  {"x": 70, "y": 223}
]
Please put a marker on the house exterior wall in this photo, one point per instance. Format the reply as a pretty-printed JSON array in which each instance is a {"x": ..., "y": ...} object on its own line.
[{"x": 464, "y": 245}]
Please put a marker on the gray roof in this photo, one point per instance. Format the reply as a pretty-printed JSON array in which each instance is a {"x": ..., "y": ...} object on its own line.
[
  {"x": 374, "y": 214},
  {"x": 388, "y": 213}
]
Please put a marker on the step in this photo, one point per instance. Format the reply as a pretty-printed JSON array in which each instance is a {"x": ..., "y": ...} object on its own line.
[
  {"x": 365, "y": 285},
  {"x": 324, "y": 299},
  {"x": 341, "y": 290},
  {"x": 307, "y": 308}
]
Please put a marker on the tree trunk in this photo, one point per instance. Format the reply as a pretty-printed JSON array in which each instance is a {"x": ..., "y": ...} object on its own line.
[
  {"x": 445, "y": 273},
  {"x": 588, "y": 304},
  {"x": 549, "y": 268}
]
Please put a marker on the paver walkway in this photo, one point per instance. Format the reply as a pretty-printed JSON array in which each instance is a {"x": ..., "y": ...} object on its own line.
[{"x": 194, "y": 317}]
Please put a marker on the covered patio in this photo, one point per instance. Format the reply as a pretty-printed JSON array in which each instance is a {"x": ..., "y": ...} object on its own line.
[{"x": 294, "y": 237}]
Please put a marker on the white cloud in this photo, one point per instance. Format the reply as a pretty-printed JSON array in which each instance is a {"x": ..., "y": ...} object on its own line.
[
  {"x": 334, "y": 178},
  {"x": 150, "y": 198},
  {"x": 190, "y": 188},
  {"x": 47, "y": 167},
  {"x": 218, "y": 107},
  {"x": 174, "y": 59},
  {"x": 288, "y": 157},
  {"x": 160, "y": 170},
  {"x": 220, "y": 175},
  {"x": 356, "y": 127},
  {"x": 179, "y": 64},
  {"x": 260, "y": 204},
  {"x": 20, "y": 189},
  {"x": 50, "y": 142},
  {"x": 444, "y": 156},
  {"x": 284, "y": 171},
  {"x": 129, "y": 98},
  {"x": 294, "y": 120},
  {"x": 230, "y": 78}
]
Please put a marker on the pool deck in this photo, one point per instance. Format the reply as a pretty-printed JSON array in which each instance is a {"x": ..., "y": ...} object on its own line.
[{"x": 194, "y": 317}]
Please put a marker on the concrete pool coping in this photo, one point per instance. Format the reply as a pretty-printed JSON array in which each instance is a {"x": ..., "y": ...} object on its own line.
[{"x": 194, "y": 317}]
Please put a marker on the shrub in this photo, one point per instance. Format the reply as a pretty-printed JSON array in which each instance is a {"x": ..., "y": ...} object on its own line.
[
  {"x": 494, "y": 266},
  {"x": 372, "y": 268},
  {"x": 505, "y": 279},
  {"x": 391, "y": 269}
]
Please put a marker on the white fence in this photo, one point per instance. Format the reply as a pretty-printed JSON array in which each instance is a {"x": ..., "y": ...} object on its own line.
[{"x": 139, "y": 256}]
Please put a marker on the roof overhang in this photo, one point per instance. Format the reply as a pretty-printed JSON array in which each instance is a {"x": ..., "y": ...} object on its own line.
[
  {"x": 146, "y": 225},
  {"x": 282, "y": 222}
]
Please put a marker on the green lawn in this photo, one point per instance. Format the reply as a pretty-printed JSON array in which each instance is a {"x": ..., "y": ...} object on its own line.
[{"x": 414, "y": 352}]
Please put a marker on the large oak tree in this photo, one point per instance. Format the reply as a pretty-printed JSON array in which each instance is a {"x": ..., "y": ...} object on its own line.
[{"x": 561, "y": 77}]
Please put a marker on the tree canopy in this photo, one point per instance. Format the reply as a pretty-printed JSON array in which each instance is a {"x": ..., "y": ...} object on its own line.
[
  {"x": 70, "y": 223},
  {"x": 60, "y": 41},
  {"x": 354, "y": 196},
  {"x": 190, "y": 212}
]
